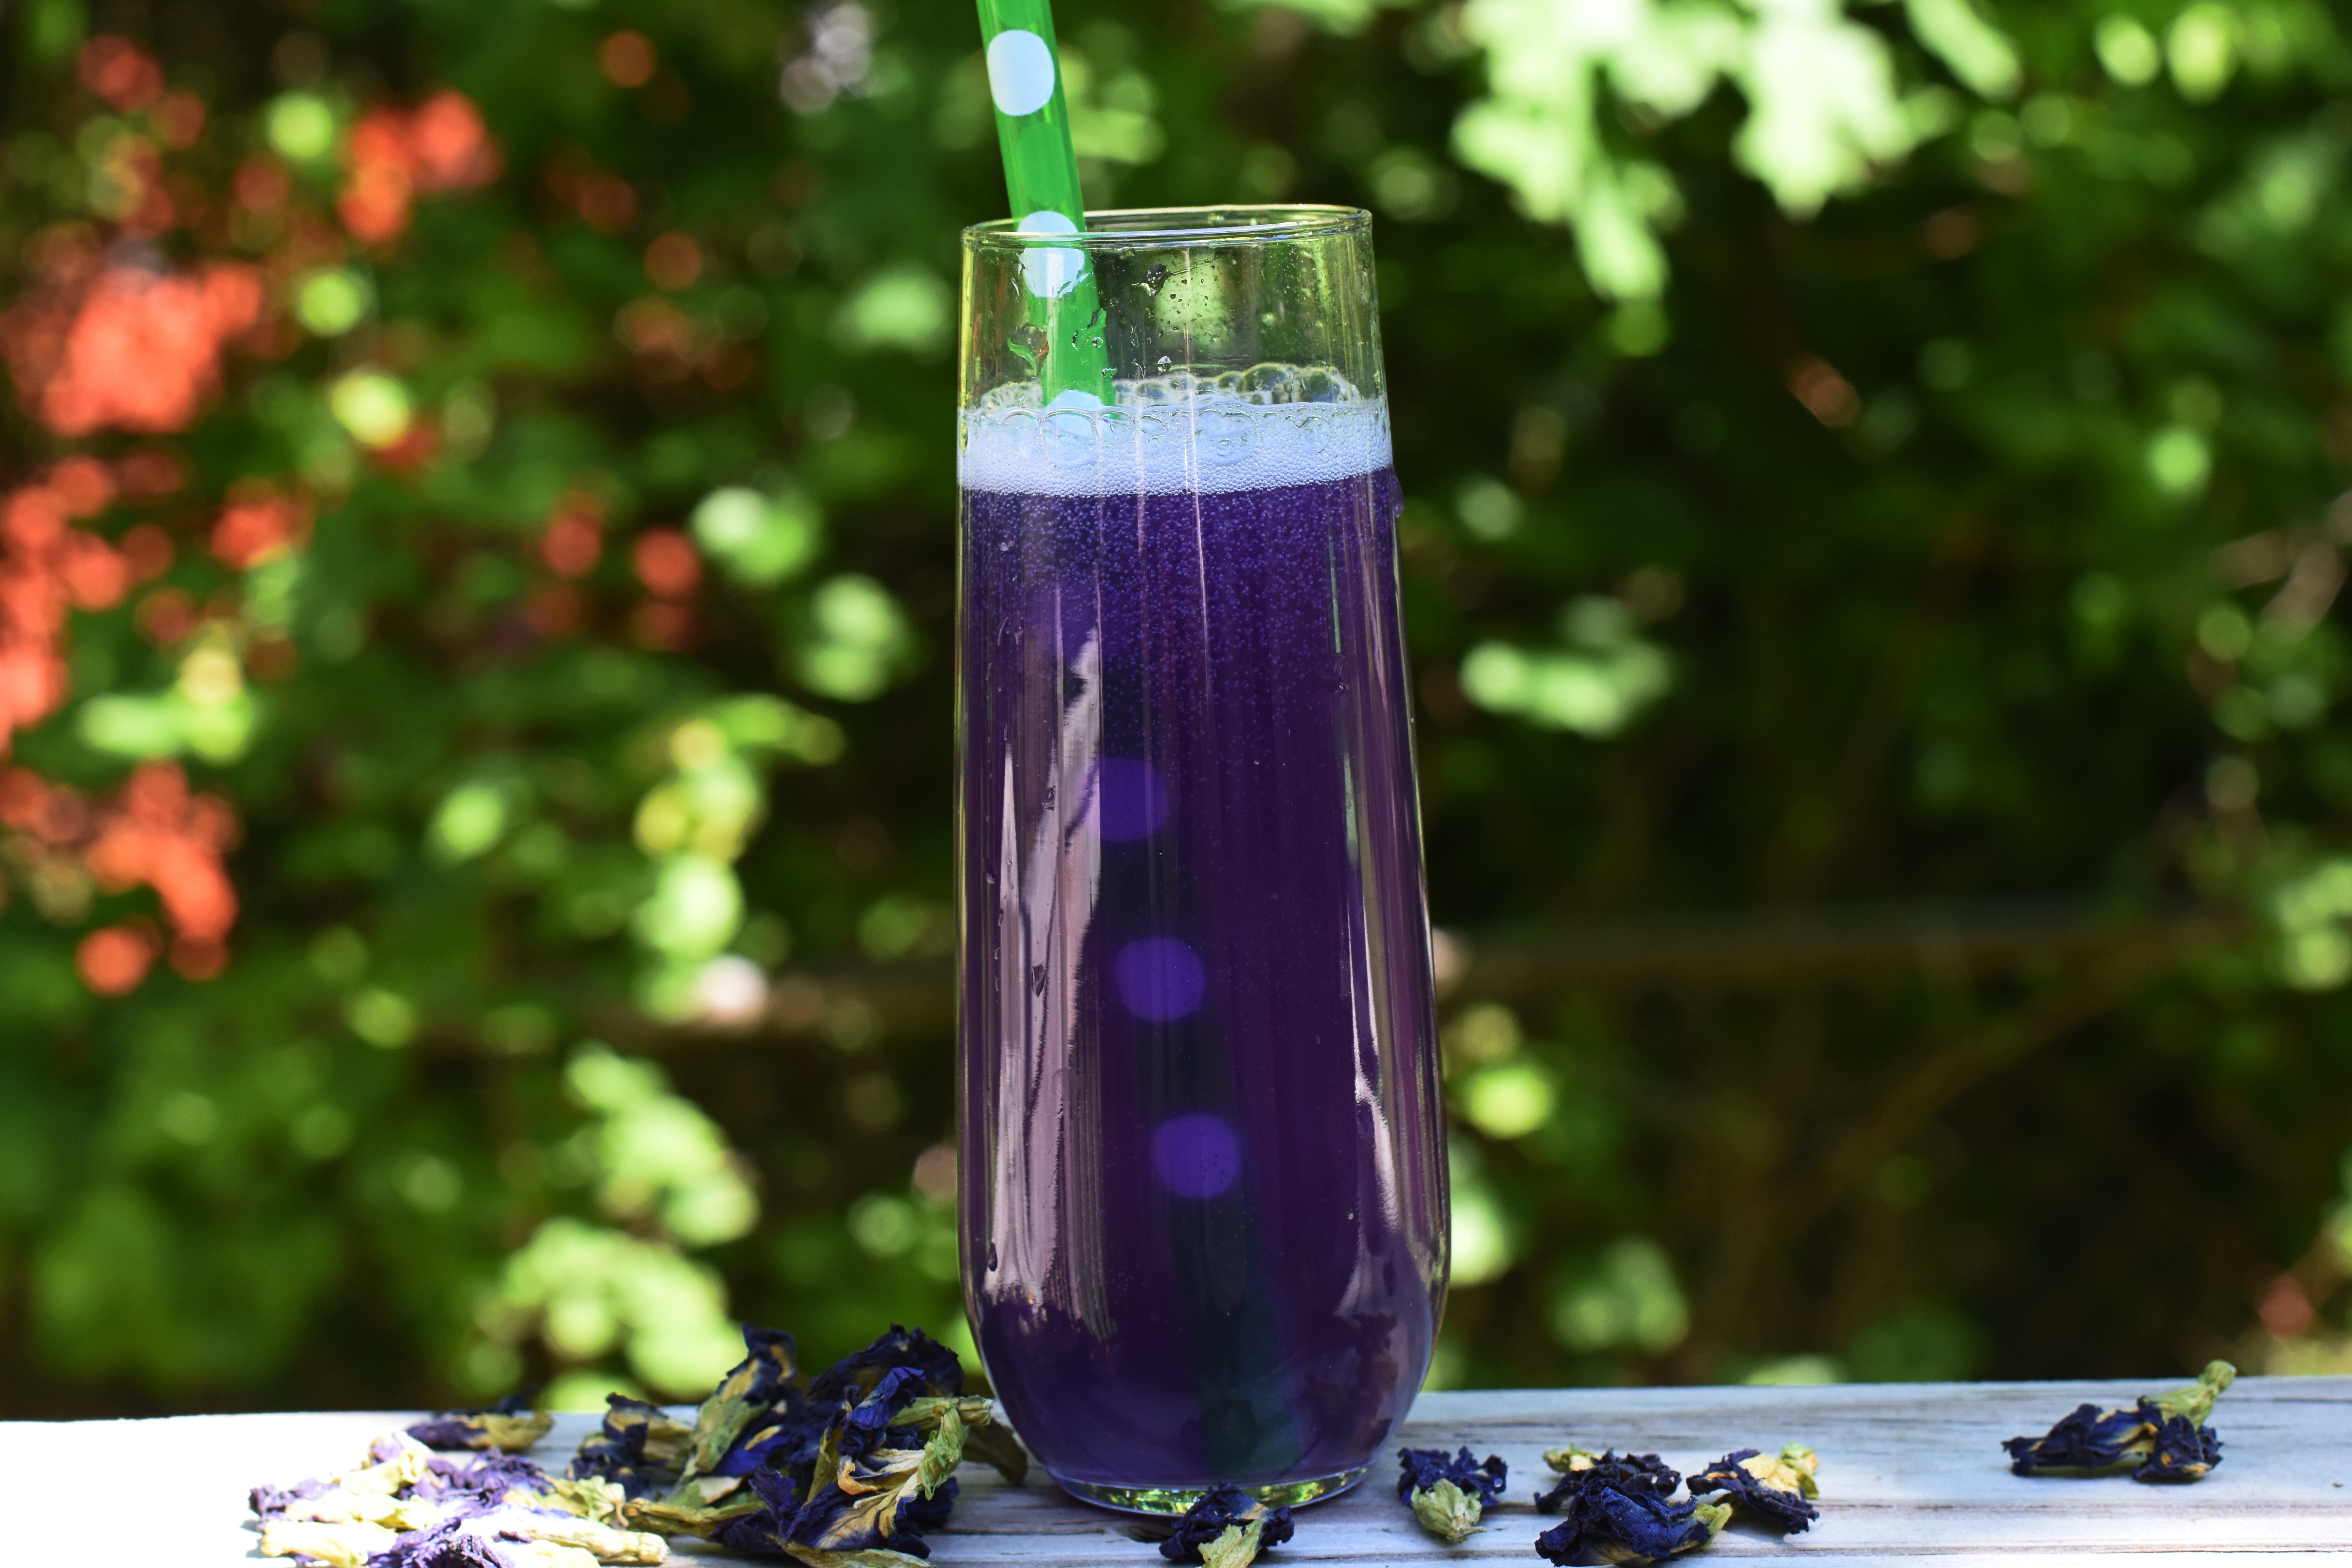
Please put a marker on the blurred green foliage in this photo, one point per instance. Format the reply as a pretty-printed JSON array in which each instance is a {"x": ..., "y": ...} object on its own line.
[{"x": 1861, "y": 461}]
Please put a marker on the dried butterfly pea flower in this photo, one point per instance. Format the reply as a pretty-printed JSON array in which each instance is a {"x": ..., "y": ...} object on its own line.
[
  {"x": 1776, "y": 1486},
  {"x": 1628, "y": 1473},
  {"x": 1448, "y": 1495},
  {"x": 346, "y": 1546},
  {"x": 883, "y": 1486},
  {"x": 375, "y": 1494},
  {"x": 756, "y": 1384},
  {"x": 805, "y": 1419},
  {"x": 453, "y": 1545},
  {"x": 590, "y": 1497},
  {"x": 487, "y": 1480},
  {"x": 882, "y": 1478},
  {"x": 394, "y": 1460},
  {"x": 604, "y": 1542},
  {"x": 511, "y": 1425},
  {"x": 268, "y": 1501},
  {"x": 2164, "y": 1437},
  {"x": 449, "y": 1545},
  {"x": 344, "y": 1518},
  {"x": 1619, "y": 1526},
  {"x": 1226, "y": 1528},
  {"x": 762, "y": 1534},
  {"x": 909, "y": 1349},
  {"x": 850, "y": 1472},
  {"x": 708, "y": 1519},
  {"x": 639, "y": 1446},
  {"x": 337, "y": 1505},
  {"x": 513, "y": 1538}
]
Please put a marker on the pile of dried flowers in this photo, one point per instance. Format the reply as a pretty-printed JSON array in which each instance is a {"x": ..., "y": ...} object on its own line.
[{"x": 849, "y": 1469}]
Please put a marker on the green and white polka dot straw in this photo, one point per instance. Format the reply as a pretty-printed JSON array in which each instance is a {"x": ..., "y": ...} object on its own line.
[{"x": 1041, "y": 176}]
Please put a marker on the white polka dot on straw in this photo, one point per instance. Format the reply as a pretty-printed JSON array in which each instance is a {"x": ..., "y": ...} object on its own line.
[
  {"x": 1051, "y": 270},
  {"x": 1020, "y": 72}
]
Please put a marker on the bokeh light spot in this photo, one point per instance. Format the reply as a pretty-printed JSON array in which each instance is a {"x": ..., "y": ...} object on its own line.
[
  {"x": 627, "y": 58},
  {"x": 1159, "y": 979},
  {"x": 1197, "y": 1155}
]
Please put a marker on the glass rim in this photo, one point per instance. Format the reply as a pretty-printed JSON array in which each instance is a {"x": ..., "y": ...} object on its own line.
[{"x": 1117, "y": 228}]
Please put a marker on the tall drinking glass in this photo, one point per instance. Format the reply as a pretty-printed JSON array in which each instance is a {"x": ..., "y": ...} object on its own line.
[{"x": 1203, "y": 1183}]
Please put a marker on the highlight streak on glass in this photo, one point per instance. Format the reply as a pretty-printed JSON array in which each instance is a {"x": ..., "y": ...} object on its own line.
[{"x": 1041, "y": 178}]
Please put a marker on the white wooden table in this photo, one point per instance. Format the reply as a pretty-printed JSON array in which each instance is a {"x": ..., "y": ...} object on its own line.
[{"x": 1909, "y": 1472}]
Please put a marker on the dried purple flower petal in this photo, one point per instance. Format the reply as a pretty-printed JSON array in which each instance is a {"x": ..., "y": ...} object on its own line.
[
  {"x": 1629, "y": 1527},
  {"x": 492, "y": 1481},
  {"x": 268, "y": 1501},
  {"x": 753, "y": 1448},
  {"x": 511, "y": 1425},
  {"x": 1226, "y": 1528},
  {"x": 752, "y": 1535},
  {"x": 1421, "y": 1468},
  {"x": 1629, "y": 1473},
  {"x": 606, "y": 1543},
  {"x": 2088, "y": 1438},
  {"x": 749, "y": 1391},
  {"x": 446, "y": 1545},
  {"x": 639, "y": 1447},
  {"x": 376, "y": 1494},
  {"x": 350, "y": 1543},
  {"x": 865, "y": 1425},
  {"x": 769, "y": 1502},
  {"x": 1777, "y": 1487},
  {"x": 2183, "y": 1451},
  {"x": 901, "y": 1347}
]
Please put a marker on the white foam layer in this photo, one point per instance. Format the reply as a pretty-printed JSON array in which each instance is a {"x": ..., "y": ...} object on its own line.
[{"x": 1163, "y": 438}]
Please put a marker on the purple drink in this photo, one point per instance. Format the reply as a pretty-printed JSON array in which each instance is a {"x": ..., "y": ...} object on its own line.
[{"x": 1204, "y": 1215}]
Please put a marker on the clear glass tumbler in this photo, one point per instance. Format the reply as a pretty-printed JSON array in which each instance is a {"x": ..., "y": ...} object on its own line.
[{"x": 1203, "y": 1181}]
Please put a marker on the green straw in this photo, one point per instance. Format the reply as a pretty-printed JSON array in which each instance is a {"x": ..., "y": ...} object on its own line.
[{"x": 1041, "y": 176}]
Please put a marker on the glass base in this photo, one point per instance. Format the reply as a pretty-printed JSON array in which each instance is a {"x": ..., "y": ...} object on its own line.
[{"x": 1169, "y": 1501}]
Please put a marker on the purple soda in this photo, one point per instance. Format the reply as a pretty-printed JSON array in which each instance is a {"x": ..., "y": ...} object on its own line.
[{"x": 1204, "y": 1207}]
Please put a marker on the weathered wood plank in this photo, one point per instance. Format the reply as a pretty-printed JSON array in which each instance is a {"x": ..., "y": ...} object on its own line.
[{"x": 1909, "y": 1473}]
